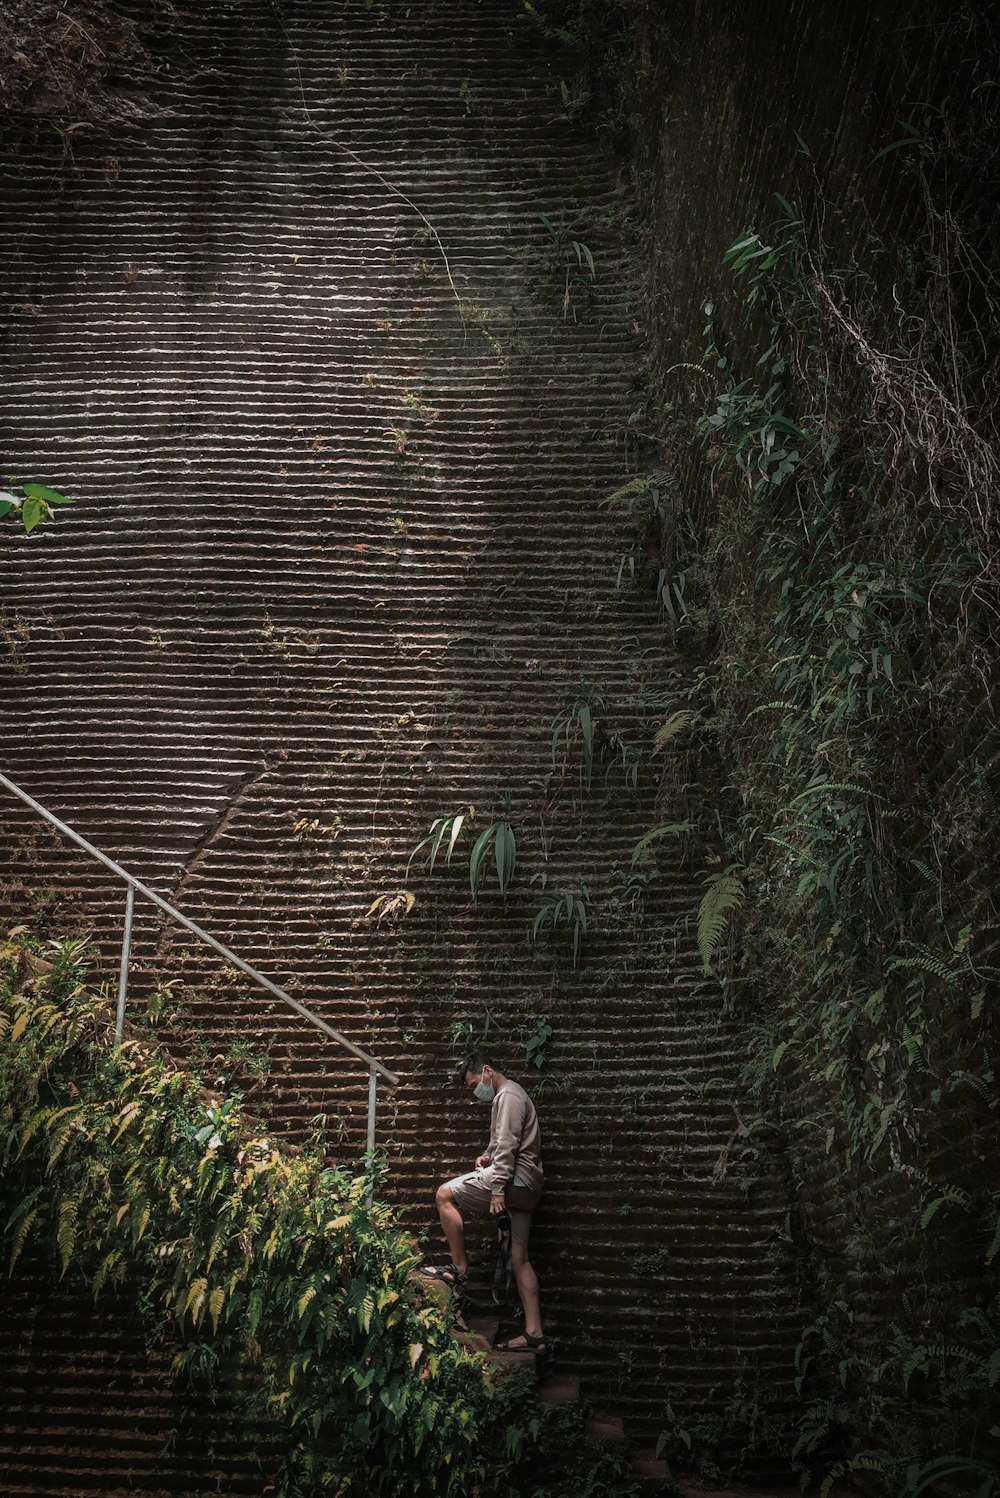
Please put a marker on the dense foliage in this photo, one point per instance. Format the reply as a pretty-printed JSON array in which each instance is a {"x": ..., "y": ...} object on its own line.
[{"x": 837, "y": 592}]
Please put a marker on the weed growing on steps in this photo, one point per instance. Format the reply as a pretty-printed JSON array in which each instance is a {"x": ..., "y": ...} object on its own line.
[
  {"x": 33, "y": 504},
  {"x": 568, "y": 908},
  {"x": 498, "y": 838}
]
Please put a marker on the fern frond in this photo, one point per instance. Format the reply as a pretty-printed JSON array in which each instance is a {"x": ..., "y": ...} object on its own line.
[
  {"x": 675, "y": 724},
  {"x": 950, "y": 1194},
  {"x": 20, "y": 1024},
  {"x": 195, "y": 1302},
  {"x": 994, "y": 1247},
  {"x": 215, "y": 1304},
  {"x": 725, "y": 893},
  {"x": 20, "y": 1234},
  {"x": 925, "y": 962},
  {"x": 631, "y": 496},
  {"x": 59, "y": 1126},
  {"x": 66, "y": 1234},
  {"x": 665, "y": 829}
]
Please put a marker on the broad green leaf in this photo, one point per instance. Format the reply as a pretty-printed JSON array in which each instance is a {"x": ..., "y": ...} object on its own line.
[{"x": 47, "y": 496}]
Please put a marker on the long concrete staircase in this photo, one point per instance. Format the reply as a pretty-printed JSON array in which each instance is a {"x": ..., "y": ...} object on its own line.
[{"x": 313, "y": 349}]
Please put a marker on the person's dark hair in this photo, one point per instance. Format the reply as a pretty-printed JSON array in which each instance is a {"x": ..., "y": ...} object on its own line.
[{"x": 474, "y": 1062}]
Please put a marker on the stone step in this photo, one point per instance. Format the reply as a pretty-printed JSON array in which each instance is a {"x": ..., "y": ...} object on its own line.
[{"x": 559, "y": 1389}]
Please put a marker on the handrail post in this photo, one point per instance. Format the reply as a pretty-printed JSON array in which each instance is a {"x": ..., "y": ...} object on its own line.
[
  {"x": 123, "y": 972},
  {"x": 370, "y": 1154}
]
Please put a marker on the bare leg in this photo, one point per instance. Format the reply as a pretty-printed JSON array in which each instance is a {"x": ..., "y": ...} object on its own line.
[
  {"x": 527, "y": 1289},
  {"x": 454, "y": 1227}
]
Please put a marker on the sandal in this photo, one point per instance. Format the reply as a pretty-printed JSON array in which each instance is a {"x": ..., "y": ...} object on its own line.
[
  {"x": 447, "y": 1274},
  {"x": 527, "y": 1343}
]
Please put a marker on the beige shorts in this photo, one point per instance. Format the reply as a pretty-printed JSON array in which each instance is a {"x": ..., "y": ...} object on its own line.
[{"x": 472, "y": 1194}]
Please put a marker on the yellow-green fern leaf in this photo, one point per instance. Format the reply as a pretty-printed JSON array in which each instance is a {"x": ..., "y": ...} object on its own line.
[
  {"x": 195, "y": 1302},
  {"x": 20, "y": 1234},
  {"x": 20, "y": 1025},
  {"x": 215, "y": 1304},
  {"x": 66, "y": 1235},
  {"x": 675, "y": 724}
]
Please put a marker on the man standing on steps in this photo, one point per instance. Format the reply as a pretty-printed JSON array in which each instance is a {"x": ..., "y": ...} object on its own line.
[{"x": 507, "y": 1178}]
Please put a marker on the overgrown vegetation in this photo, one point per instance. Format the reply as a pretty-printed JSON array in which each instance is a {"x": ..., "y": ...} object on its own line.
[
  {"x": 845, "y": 609},
  {"x": 255, "y": 1265}
]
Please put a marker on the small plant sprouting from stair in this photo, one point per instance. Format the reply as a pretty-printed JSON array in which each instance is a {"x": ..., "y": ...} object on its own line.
[
  {"x": 442, "y": 828},
  {"x": 642, "y": 501},
  {"x": 537, "y": 1044},
  {"x": 576, "y": 258},
  {"x": 32, "y": 505},
  {"x": 446, "y": 833},
  {"x": 573, "y": 724},
  {"x": 567, "y": 908}
]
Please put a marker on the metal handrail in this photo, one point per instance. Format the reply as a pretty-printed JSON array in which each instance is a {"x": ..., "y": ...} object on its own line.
[{"x": 375, "y": 1068}]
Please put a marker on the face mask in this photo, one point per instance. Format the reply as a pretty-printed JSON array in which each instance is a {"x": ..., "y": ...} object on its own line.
[{"x": 484, "y": 1092}]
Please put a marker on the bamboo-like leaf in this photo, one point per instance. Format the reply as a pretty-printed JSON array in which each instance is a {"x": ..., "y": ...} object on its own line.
[
  {"x": 478, "y": 856},
  {"x": 505, "y": 851},
  {"x": 456, "y": 828},
  {"x": 587, "y": 729}
]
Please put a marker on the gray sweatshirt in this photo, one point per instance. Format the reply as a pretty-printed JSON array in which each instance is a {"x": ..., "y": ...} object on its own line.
[{"x": 515, "y": 1147}]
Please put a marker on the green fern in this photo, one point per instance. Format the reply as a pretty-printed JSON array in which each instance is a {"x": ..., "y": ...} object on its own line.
[
  {"x": 665, "y": 829},
  {"x": 638, "y": 495},
  {"x": 725, "y": 893},
  {"x": 21, "y": 1220}
]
